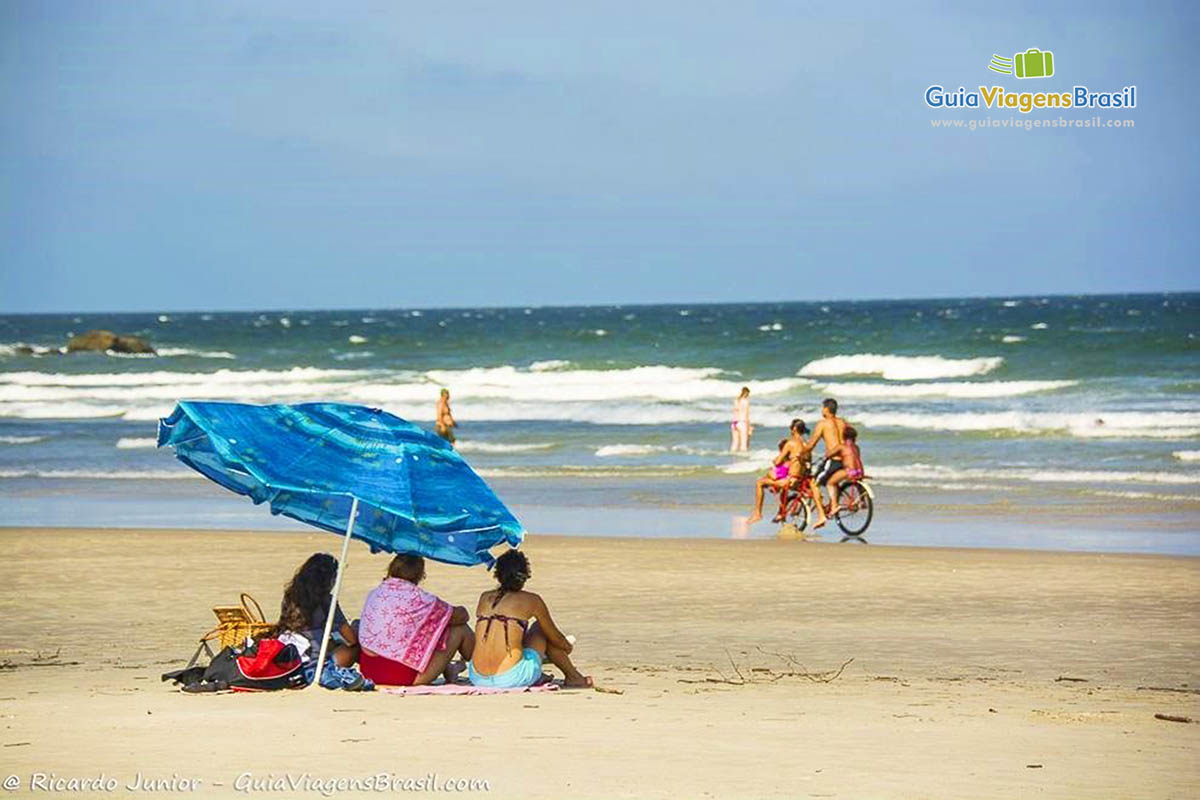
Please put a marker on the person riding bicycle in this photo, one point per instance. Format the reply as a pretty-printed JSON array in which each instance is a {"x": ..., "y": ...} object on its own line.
[
  {"x": 829, "y": 430},
  {"x": 797, "y": 470},
  {"x": 850, "y": 458},
  {"x": 790, "y": 465}
]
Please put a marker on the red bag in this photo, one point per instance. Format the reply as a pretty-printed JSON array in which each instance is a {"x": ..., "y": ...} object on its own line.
[{"x": 266, "y": 665}]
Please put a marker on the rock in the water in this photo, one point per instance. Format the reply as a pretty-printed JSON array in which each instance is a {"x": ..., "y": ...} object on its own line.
[{"x": 107, "y": 340}]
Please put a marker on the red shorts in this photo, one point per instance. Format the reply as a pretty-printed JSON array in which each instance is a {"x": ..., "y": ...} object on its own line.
[{"x": 384, "y": 671}]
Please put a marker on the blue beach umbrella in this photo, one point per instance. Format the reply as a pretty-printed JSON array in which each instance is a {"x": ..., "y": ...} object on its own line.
[{"x": 355, "y": 471}]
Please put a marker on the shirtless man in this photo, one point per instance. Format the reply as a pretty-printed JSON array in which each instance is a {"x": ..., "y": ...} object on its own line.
[
  {"x": 788, "y": 466},
  {"x": 832, "y": 431},
  {"x": 445, "y": 424}
]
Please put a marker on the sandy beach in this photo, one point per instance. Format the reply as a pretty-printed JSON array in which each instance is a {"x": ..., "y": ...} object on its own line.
[{"x": 973, "y": 674}]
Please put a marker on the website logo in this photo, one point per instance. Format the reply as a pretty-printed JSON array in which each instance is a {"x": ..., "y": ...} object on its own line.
[{"x": 1033, "y": 63}]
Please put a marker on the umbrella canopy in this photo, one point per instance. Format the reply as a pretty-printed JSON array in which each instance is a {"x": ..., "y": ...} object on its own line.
[{"x": 312, "y": 461}]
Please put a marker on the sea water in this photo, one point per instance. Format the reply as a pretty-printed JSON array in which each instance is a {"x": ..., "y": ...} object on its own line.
[{"x": 1072, "y": 414}]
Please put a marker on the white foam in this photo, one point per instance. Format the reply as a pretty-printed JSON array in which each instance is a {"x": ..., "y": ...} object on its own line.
[
  {"x": 86, "y": 474},
  {"x": 1010, "y": 339},
  {"x": 1039, "y": 326},
  {"x": 548, "y": 387},
  {"x": 1187, "y": 455},
  {"x": 147, "y": 413},
  {"x": 901, "y": 368},
  {"x": 472, "y": 446},
  {"x": 132, "y": 443},
  {"x": 1083, "y": 424},
  {"x": 178, "y": 352},
  {"x": 609, "y": 450},
  {"x": 1168, "y": 498},
  {"x": 21, "y": 439},
  {"x": 660, "y": 383},
  {"x": 754, "y": 461},
  {"x": 357, "y": 339},
  {"x": 59, "y": 410},
  {"x": 549, "y": 365},
  {"x": 38, "y": 350},
  {"x": 962, "y": 389},
  {"x": 309, "y": 374},
  {"x": 938, "y": 472}
]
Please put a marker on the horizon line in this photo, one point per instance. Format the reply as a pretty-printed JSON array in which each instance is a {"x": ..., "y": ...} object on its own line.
[{"x": 638, "y": 304}]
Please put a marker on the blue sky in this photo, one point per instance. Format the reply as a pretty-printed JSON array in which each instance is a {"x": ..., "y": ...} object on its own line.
[{"x": 206, "y": 155}]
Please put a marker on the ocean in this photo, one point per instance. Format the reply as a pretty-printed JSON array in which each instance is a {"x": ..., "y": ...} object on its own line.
[{"x": 1045, "y": 421}]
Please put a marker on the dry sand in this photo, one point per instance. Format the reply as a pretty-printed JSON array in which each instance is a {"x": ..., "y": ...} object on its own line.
[{"x": 958, "y": 685}]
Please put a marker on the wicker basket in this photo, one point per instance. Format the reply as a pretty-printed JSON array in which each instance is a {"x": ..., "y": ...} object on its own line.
[{"x": 235, "y": 624}]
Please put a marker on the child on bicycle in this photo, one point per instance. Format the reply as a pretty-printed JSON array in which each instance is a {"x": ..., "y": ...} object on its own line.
[{"x": 852, "y": 466}]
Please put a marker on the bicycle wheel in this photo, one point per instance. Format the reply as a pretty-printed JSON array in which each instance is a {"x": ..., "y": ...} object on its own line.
[
  {"x": 855, "y": 509},
  {"x": 799, "y": 512}
]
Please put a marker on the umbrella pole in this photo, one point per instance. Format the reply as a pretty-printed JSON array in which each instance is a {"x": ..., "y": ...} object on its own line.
[{"x": 337, "y": 588}]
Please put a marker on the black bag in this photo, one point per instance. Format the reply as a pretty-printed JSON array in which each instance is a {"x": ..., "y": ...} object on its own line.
[{"x": 266, "y": 665}]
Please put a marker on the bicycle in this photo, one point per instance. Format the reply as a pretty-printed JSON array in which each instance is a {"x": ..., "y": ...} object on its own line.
[{"x": 856, "y": 506}]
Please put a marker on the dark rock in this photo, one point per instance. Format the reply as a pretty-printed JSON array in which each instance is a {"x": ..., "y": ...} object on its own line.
[{"x": 103, "y": 341}]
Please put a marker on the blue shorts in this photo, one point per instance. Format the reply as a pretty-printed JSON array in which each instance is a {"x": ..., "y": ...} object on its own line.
[{"x": 525, "y": 672}]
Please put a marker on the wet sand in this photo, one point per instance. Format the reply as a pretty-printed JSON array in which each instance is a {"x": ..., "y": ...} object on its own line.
[{"x": 974, "y": 673}]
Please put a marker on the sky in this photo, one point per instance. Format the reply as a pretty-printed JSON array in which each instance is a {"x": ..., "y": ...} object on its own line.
[{"x": 259, "y": 155}]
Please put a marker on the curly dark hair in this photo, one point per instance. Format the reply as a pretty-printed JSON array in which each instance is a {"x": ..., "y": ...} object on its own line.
[
  {"x": 511, "y": 571},
  {"x": 308, "y": 592}
]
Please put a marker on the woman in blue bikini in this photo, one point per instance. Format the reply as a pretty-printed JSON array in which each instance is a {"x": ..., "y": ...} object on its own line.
[{"x": 509, "y": 651}]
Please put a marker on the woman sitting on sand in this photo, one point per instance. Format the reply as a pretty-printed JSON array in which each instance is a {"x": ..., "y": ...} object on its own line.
[
  {"x": 408, "y": 636},
  {"x": 302, "y": 618},
  {"x": 509, "y": 651}
]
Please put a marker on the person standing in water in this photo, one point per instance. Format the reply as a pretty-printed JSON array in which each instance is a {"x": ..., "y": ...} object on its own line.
[
  {"x": 739, "y": 428},
  {"x": 444, "y": 424}
]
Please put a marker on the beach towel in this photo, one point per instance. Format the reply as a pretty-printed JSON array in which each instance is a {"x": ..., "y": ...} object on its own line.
[
  {"x": 466, "y": 688},
  {"x": 403, "y": 622}
]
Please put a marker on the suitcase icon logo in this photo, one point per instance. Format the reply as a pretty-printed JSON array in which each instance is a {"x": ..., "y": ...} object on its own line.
[{"x": 1033, "y": 63}]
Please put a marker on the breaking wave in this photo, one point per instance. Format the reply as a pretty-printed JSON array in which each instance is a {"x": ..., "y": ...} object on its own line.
[
  {"x": 901, "y": 368},
  {"x": 935, "y": 472},
  {"x": 181, "y": 352},
  {"x": 962, "y": 389},
  {"x": 109, "y": 474},
  {"x": 1086, "y": 424},
  {"x": 134, "y": 443},
  {"x": 471, "y": 446}
]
